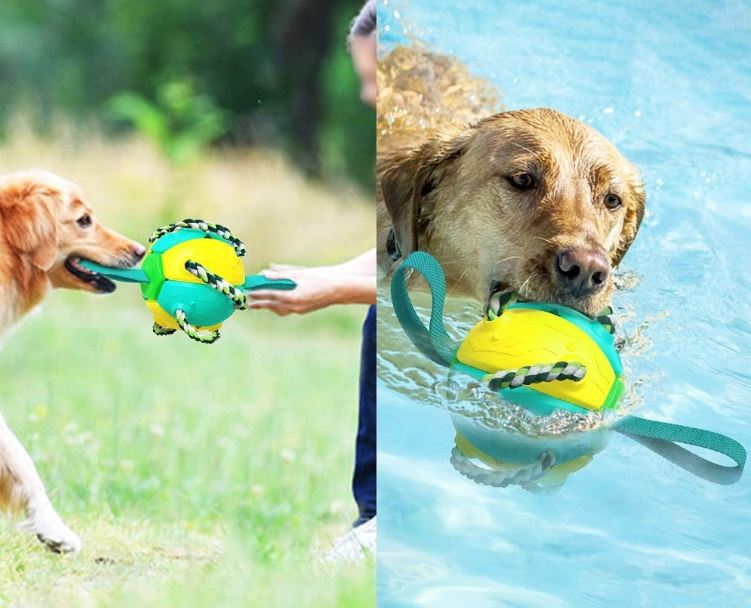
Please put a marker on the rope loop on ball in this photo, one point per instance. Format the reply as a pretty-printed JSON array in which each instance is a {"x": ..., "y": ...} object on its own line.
[
  {"x": 160, "y": 330},
  {"x": 533, "y": 374},
  {"x": 524, "y": 475},
  {"x": 199, "y": 335},
  {"x": 501, "y": 300},
  {"x": 204, "y": 226},
  {"x": 218, "y": 283}
]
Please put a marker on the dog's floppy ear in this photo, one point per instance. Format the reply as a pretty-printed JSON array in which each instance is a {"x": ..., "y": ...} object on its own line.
[
  {"x": 411, "y": 176},
  {"x": 634, "y": 216},
  {"x": 29, "y": 222}
]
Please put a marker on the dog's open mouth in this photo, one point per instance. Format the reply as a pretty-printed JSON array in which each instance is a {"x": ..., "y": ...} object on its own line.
[{"x": 100, "y": 283}]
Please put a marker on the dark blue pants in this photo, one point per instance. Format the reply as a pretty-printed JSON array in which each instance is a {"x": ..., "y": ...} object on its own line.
[{"x": 364, "y": 478}]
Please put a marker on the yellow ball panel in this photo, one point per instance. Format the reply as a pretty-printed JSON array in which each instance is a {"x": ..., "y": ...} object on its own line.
[
  {"x": 522, "y": 337},
  {"x": 471, "y": 451},
  {"x": 216, "y": 256},
  {"x": 163, "y": 318}
]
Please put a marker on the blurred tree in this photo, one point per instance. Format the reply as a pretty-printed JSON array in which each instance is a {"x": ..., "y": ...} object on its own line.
[
  {"x": 276, "y": 72},
  {"x": 180, "y": 123}
]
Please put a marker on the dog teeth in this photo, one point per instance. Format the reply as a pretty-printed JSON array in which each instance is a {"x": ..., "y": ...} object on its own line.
[{"x": 76, "y": 263}]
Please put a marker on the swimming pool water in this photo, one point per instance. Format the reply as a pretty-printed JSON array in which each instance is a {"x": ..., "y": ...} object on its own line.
[{"x": 669, "y": 83}]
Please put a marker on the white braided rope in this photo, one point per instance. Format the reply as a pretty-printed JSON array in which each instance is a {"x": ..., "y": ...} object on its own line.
[
  {"x": 500, "y": 479},
  {"x": 571, "y": 371},
  {"x": 205, "y": 336},
  {"x": 220, "y": 284},
  {"x": 196, "y": 224}
]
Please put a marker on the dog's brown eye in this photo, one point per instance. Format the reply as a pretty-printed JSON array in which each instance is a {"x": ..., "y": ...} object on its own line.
[
  {"x": 613, "y": 201},
  {"x": 522, "y": 181},
  {"x": 84, "y": 221}
]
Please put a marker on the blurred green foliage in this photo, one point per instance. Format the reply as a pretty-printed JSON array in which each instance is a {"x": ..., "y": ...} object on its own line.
[
  {"x": 181, "y": 123},
  {"x": 189, "y": 72}
]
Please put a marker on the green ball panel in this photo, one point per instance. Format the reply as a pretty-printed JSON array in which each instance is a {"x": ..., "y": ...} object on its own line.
[
  {"x": 152, "y": 266},
  {"x": 202, "y": 305}
]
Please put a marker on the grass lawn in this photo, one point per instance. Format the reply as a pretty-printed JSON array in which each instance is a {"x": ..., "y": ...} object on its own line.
[{"x": 195, "y": 475}]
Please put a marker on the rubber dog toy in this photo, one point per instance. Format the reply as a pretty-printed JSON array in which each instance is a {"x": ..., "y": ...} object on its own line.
[
  {"x": 576, "y": 366},
  {"x": 192, "y": 278},
  {"x": 543, "y": 357}
]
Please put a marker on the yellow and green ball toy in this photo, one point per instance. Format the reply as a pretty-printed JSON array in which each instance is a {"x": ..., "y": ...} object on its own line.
[
  {"x": 541, "y": 356},
  {"x": 192, "y": 278},
  {"x": 544, "y": 357}
]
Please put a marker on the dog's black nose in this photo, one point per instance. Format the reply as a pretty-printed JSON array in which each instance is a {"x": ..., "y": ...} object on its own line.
[{"x": 581, "y": 271}]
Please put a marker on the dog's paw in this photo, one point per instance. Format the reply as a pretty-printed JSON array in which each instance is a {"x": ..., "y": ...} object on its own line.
[
  {"x": 52, "y": 531},
  {"x": 67, "y": 542}
]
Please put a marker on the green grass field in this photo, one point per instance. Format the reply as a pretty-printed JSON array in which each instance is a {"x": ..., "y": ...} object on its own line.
[{"x": 195, "y": 475}]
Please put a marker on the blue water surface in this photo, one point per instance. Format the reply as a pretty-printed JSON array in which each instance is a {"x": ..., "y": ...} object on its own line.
[{"x": 669, "y": 83}]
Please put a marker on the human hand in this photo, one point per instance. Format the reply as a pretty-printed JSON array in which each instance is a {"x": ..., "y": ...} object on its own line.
[{"x": 315, "y": 290}]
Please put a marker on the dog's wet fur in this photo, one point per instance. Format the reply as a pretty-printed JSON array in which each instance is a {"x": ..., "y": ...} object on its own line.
[{"x": 531, "y": 200}]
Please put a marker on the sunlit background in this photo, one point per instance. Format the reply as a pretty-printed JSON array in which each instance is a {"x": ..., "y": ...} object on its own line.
[{"x": 195, "y": 475}]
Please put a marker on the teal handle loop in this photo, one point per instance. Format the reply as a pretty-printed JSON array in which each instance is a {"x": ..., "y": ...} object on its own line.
[
  {"x": 258, "y": 281},
  {"x": 128, "y": 275},
  {"x": 687, "y": 435},
  {"x": 435, "y": 342}
]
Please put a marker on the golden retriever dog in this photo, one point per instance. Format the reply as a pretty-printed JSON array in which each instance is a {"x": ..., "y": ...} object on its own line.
[
  {"x": 531, "y": 200},
  {"x": 46, "y": 228}
]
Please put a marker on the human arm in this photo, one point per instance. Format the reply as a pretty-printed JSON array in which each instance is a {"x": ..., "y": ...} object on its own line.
[{"x": 352, "y": 282}]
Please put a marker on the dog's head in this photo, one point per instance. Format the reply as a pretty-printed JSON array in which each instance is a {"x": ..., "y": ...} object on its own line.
[
  {"x": 532, "y": 200},
  {"x": 48, "y": 224}
]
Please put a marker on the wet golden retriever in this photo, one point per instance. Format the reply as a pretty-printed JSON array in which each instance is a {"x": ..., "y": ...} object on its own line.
[
  {"x": 46, "y": 228},
  {"x": 532, "y": 200}
]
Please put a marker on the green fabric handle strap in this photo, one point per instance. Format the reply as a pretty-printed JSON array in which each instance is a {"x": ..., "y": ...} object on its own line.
[
  {"x": 136, "y": 275},
  {"x": 687, "y": 435},
  {"x": 435, "y": 343},
  {"x": 258, "y": 281},
  {"x": 127, "y": 275}
]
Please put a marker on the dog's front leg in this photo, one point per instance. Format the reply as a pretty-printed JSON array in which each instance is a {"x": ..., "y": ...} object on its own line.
[{"x": 22, "y": 489}]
